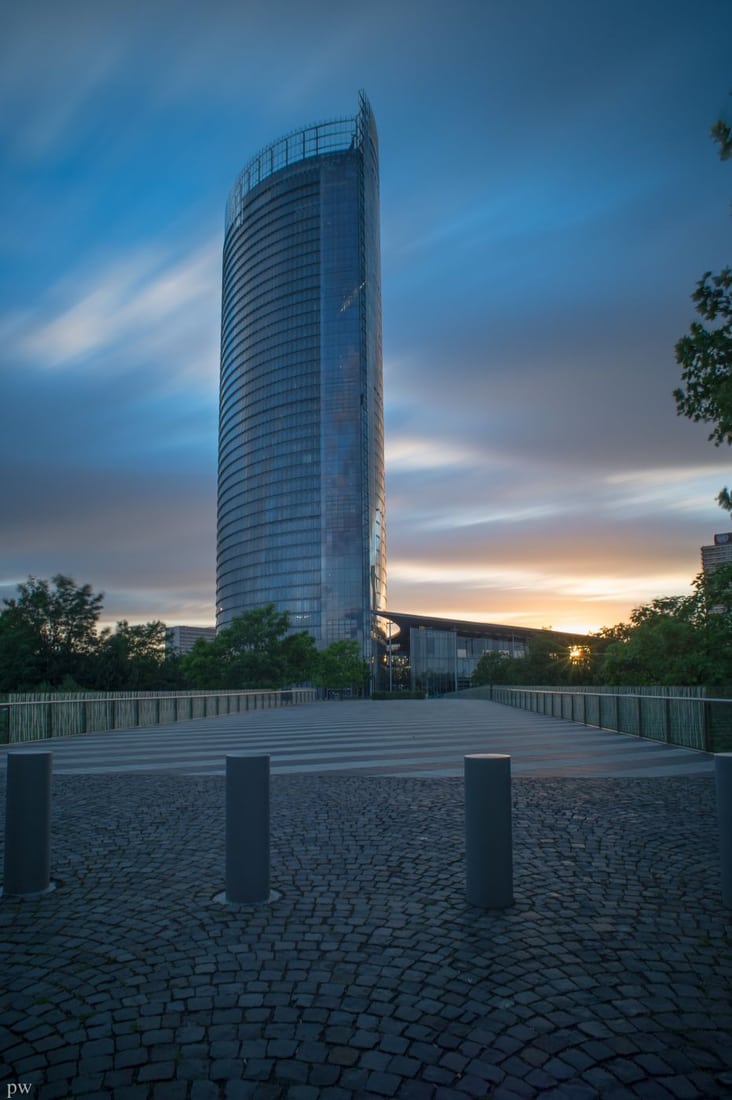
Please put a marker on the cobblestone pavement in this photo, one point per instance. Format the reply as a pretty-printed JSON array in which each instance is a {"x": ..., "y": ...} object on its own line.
[{"x": 368, "y": 975}]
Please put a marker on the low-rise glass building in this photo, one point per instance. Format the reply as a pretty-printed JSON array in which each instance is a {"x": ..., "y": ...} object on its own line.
[{"x": 422, "y": 653}]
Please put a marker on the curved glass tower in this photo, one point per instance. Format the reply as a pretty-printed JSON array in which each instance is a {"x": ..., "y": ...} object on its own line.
[{"x": 301, "y": 454}]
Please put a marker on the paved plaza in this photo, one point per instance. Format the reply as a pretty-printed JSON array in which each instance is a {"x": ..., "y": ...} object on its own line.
[
  {"x": 416, "y": 738},
  {"x": 367, "y": 974}
]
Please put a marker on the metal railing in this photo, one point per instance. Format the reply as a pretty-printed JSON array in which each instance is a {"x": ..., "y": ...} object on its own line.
[
  {"x": 61, "y": 716},
  {"x": 687, "y": 721},
  {"x": 319, "y": 138}
]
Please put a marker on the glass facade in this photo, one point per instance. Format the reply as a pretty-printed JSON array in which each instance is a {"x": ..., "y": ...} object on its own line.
[
  {"x": 433, "y": 655},
  {"x": 301, "y": 467},
  {"x": 445, "y": 660}
]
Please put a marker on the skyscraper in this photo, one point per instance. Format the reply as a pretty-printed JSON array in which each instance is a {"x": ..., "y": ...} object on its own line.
[{"x": 301, "y": 463}]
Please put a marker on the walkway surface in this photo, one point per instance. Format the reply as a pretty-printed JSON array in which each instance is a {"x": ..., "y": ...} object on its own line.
[
  {"x": 411, "y": 738},
  {"x": 367, "y": 974}
]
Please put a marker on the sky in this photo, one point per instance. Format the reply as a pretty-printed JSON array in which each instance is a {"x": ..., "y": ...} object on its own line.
[{"x": 550, "y": 195}]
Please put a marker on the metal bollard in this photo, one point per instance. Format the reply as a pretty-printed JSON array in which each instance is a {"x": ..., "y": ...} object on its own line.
[
  {"x": 723, "y": 781},
  {"x": 28, "y": 824},
  {"x": 488, "y": 839},
  {"x": 247, "y": 828}
]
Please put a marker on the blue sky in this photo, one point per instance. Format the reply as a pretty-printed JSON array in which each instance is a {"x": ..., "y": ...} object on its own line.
[{"x": 550, "y": 195}]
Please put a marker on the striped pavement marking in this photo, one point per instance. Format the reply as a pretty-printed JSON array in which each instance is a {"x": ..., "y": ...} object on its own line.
[{"x": 415, "y": 738}]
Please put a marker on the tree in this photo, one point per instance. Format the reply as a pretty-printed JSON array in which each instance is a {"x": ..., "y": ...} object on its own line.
[
  {"x": 255, "y": 651},
  {"x": 54, "y": 627},
  {"x": 21, "y": 666},
  {"x": 202, "y": 666},
  {"x": 705, "y": 353},
  {"x": 680, "y": 640},
  {"x": 301, "y": 657},
  {"x": 662, "y": 649},
  {"x": 341, "y": 666},
  {"x": 494, "y": 668},
  {"x": 547, "y": 661},
  {"x": 722, "y": 134},
  {"x": 49, "y": 639},
  {"x": 252, "y": 648},
  {"x": 134, "y": 659}
]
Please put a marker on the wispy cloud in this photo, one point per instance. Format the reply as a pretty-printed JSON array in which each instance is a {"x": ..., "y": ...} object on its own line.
[
  {"x": 147, "y": 307},
  {"x": 415, "y": 453},
  {"x": 683, "y": 489}
]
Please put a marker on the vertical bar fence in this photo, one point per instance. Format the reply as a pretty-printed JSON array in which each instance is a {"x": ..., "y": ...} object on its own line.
[
  {"x": 42, "y": 718},
  {"x": 689, "y": 721}
]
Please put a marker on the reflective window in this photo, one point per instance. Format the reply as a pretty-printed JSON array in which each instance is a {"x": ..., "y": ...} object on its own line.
[{"x": 301, "y": 479}]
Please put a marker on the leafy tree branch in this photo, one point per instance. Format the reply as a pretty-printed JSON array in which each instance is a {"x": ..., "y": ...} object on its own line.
[{"x": 705, "y": 352}]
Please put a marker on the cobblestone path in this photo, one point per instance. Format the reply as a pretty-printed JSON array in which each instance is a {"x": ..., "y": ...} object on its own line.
[{"x": 368, "y": 975}]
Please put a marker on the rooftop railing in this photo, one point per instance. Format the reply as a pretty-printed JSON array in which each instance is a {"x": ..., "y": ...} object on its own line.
[{"x": 335, "y": 136}]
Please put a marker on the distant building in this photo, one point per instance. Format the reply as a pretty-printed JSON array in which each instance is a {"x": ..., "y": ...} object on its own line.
[
  {"x": 181, "y": 639},
  {"x": 718, "y": 554},
  {"x": 424, "y": 653},
  {"x": 301, "y": 449}
]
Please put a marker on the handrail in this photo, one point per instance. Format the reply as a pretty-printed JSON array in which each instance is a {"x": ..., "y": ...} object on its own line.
[
  {"x": 43, "y": 719},
  {"x": 143, "y": 696},
  {"x": 696, "y": 722},
  {"x": 619, "y": 694}
]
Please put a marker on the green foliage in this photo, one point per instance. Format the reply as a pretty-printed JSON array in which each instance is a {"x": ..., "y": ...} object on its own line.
[
  {"x": 661, "y": 650},
  {"x": 548, "y": 661},
  {"x": 705, "y": 356},
  {"x": 722, "y": 133},
  {"x": 255, "y": 651},
  {"x": 20, "y": 658},
  {"x": 676, "y": 640},
  {"x": 134, "y": 659},
  {"x": 199, "y": 667},
  {"x": 340, "y": 666},
  {"x": 49, "y": 634},
  {"x": 496, "y": 668},
  {"x": 301, "y": 657},
  {"x": 705, "y": 353},
  {"x": 50, "y": 641}
]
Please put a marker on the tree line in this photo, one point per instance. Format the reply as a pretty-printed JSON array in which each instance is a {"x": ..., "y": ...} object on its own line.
[
  {"x": 674, "y": 641},
  {"x": 50, "y": 640}
]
